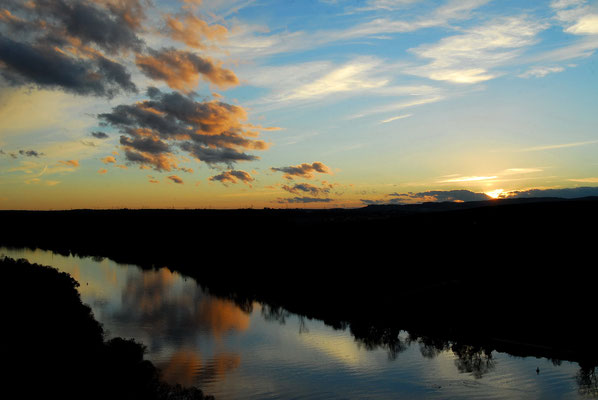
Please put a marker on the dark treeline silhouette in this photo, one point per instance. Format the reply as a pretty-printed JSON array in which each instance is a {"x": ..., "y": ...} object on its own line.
[
  {"x": 511, "y": 275},
  {"x": 52, "y": 347}
]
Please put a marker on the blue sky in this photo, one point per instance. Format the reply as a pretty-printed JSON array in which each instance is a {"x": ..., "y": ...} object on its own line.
[{"x": 391, "y": 96}]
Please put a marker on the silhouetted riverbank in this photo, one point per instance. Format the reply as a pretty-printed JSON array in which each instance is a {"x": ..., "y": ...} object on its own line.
[
  {"x": 52, "y": 347},
  {"x": 510, "y": 275}
]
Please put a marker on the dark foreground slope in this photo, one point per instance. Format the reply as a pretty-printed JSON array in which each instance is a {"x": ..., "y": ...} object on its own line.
[
  {"x": 52, "y": 347},
  {"x": 512, "y": 272}
]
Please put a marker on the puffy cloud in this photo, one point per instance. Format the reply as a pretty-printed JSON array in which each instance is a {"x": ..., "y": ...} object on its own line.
[
  {"x": 176, "y": 179},
  {"x": 181, "y": 69},
  {"x": 47, "y": 67},
  {"x": 303, "y": 171},
  {"x": 216, "y": 156},
  {"x": 149, "y": 144},
  {"x": 160, "y": 162},
  {"x": 233, "y": 176},
  {"x": 59, "y": 44},
  {"x": 306, "y": 188},
  {"x": 132, "y": 12},
  {"x": 111, "y": 26},
  {"x": 211, "y": 131},
  {"x": 102, "y": 171}
]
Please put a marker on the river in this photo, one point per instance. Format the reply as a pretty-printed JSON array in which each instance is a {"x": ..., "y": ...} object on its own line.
[{"x": 263, "y": 353}]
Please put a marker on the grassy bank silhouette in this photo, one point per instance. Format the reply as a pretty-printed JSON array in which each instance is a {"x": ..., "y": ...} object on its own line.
[{"x": 52, "y": 347}]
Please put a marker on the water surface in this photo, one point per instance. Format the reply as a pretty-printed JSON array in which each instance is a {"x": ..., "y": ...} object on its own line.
[{"x": 260, "y": 353}]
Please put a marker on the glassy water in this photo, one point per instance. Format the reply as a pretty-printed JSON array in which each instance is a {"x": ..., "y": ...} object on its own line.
[{"x": 198, "y": 339}]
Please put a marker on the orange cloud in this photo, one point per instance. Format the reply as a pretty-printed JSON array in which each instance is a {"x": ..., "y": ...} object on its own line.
[
  {"x": 160, "y": 162},
  {"x": 176, "y": 179},
  {"x": 181, "y": 69},
  {"x": 108, "y": 160},
  {"x": 102, "y": 171},
  {"x": 6, "y": 16},
  {"x": 192, "y": 30}
]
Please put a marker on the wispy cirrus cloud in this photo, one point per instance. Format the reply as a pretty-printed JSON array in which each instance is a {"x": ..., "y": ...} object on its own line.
[
  {"x": 578, "y": 17},
  {"x": 254, "y": 41},
  {"x": 585, "y": 180},
  {"x": 397, "y": 117},
  {"x": 386, "y": 5},
  {"x": 352, "y": 77},
  {"x": 393, "y": 107},
  {"x": 540, "y": 72},
  {"x": 468, "y": 179},
  {"x": 472, "y": 56},
  {"x": 558, "y": 146}
]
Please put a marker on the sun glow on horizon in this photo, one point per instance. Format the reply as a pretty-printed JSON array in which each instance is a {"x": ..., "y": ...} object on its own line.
[{"x": 496, "y": 193}]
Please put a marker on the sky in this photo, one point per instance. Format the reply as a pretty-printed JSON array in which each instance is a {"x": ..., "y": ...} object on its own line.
[{"x": 296, "y": 103}]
